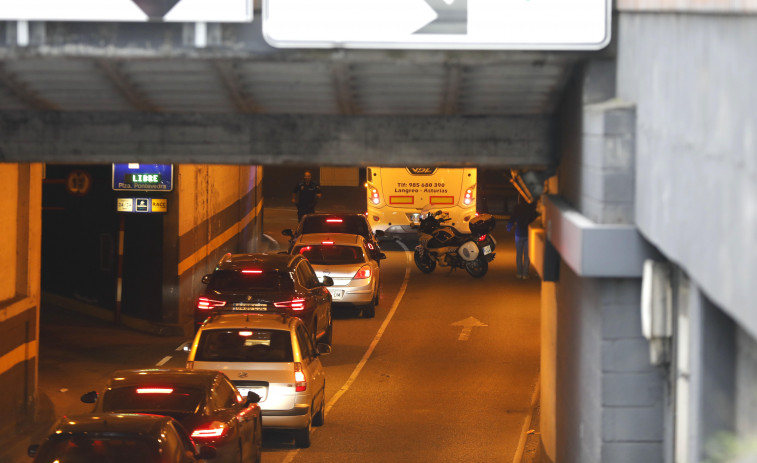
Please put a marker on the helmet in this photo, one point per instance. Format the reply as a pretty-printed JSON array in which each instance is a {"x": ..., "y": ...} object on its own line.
[{"x": 468, "y": 251}]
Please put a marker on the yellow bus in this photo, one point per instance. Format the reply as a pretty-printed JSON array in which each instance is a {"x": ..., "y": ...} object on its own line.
[{"x": 397, "y": 195}]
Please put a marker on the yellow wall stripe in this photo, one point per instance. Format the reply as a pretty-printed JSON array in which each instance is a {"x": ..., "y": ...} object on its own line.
[
  {"x": 216, "y": 242},
  {"x": 16, "y": 308},
  {"x": 19, "y": 354}
]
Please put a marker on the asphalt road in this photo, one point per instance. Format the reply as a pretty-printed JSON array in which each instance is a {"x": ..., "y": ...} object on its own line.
[{"x": 445, "y": 372}]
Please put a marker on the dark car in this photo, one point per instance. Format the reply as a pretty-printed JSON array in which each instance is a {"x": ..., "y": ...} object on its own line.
[
  {"x": 119, "y": 438},
  {"x": 353, "y": 224},
  {"x": 260, "y": 283},
  {"x": 205, "y": 402}
]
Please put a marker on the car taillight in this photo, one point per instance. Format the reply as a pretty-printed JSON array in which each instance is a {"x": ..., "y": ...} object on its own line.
[
  {"x": 370, "y": 246},
  {"x": 295, "y": 304},
  {"x": 364, "y": 272},
  {"x": 300, "y": 382},
  {"x": 249, "y": 271},
  {"x": 214, "y": 429},
  {"x": 334, "y": 220},
  {"x": 205, "y": 303},
  {"x": 482, "y": 237},
  {"x": 468, "y": 196},
  {"x": 375, "y": 196}
]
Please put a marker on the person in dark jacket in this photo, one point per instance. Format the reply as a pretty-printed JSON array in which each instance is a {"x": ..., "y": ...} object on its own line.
[
  {"x": 305, "y": 195},
  {"x": 523, "y": 214}
]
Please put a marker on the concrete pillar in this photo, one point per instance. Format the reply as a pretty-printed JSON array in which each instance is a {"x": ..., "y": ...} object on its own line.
[{"x": 607, "y": 399}]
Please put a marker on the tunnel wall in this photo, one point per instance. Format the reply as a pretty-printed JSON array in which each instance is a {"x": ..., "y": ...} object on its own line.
[
  {"x": 608, "y": 399},
  {"x": 220, "y": 211},
  {"x": 694, "y": 89},
  {"x": 693, "y": 85},
  {"x": 20, "y": 244}
]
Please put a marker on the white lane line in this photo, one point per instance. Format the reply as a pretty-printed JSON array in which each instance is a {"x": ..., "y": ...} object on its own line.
[
  {"x": 292, "y": 453},
  {"x": 181, "y": 346},
  {"x": 527, "y": 425},
  {"x": 162, "y": 362}
]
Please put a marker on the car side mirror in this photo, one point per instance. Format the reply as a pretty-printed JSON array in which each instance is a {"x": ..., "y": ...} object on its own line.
[
  {"x": 327, "y": 281},
  {"x": 252, "y": 398},
  {"x": 205, "y": 279},
  {"x": 207, "y": 452},
  {"x": 33, "y": 450},
  {"x": 90, "y": 397},
  {"x": 323, "y": 348},
  {"x": 287, "y": 232},
  {"x": 382, "y": 256}
]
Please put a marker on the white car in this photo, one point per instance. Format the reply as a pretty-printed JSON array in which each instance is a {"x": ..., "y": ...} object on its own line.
[
  {"x": 346, "y": 259},
  {"x": 272, "y": 355}
]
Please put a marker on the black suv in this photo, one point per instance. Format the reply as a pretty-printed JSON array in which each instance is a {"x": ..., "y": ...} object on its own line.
[
  {"x": 261, "y": 283},
  {"x": 353, "y": 224}
]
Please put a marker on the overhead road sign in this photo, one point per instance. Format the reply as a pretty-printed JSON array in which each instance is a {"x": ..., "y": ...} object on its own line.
[
  {"x": 206, "y": 11},
  {"x": 438, "y": 24},
  {"x": 142, "y": 177}
]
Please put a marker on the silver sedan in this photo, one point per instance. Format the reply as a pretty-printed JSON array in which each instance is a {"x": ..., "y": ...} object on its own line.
[{"x": 347, "y": 260}]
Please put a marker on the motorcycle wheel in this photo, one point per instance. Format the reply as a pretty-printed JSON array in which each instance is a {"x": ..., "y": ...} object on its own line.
[
  {"x": 477, "y": 268},
  {"x": 424, "y": 264}
]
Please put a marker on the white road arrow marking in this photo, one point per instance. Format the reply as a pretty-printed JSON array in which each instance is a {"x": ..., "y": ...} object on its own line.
[{"x": 468, "y": 324}]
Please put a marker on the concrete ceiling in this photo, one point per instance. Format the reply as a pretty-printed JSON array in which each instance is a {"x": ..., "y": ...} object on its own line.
[{"x": 157, "y": 68}]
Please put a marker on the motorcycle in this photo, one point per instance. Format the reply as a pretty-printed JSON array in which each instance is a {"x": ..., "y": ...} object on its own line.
[{"x": 445, "y": 246}]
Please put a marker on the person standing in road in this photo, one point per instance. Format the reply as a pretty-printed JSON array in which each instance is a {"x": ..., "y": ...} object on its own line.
[
  {"x": 523, "y": 214},
  {"x": 305, "y": 195}
]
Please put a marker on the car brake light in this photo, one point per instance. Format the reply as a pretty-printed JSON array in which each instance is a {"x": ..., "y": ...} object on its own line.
[
  {"x": 204, "y": 303},
  {"x": 214, "y": 429},
  {"x": 364, "y": 272},
  {"x": 295, "y": 304},
  {"x": 482, "y": 237},
  {"x": 327, "y": 242},
  {"x": 154, "y": 390},
  {"x": 300, "y": 382},
  {"x": 250, "y": 271},
  {"x": 370, "y": 246},
  {"x": 375, "y": 196},
  {"x": 305, "y": 249},
  {"x": 334, "y": 220},
  {"x": 245, "y": 333},
  {"x": 468, "y": 196}
]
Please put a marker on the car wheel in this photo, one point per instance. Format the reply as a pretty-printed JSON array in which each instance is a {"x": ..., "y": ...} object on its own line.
[
  {"x": 319, "y": 417},
  {"x": 369, "y": 311},
  {"x": 302, "y": 437}
]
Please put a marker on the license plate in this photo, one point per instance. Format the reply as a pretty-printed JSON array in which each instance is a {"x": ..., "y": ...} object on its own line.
[
  {"x": 249, "y": 306},
  {"x": 259, "y": 390},
  {"x": 337, "y": 293},
  {"x": 487, "y": 249}
]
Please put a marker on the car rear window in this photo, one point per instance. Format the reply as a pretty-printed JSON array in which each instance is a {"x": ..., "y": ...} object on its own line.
[
  {"x": 354, "y": 225},
  {"x": 243, "y": 345},
  {"x": 93, "y": 448},
  {"x": 330, "y": 254},
  {"x": 224, "y": 281},
  {"x": 152, "y": 397}
]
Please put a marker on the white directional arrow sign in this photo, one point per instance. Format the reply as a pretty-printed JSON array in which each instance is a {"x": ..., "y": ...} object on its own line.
[
  {"x": 438, "y": 24},
  {"x": 468, "y": 324},
  {"x": 127, "y": 10}
]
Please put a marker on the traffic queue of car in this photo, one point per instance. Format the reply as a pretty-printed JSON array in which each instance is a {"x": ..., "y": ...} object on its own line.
[{"x": 262, "y": 322}]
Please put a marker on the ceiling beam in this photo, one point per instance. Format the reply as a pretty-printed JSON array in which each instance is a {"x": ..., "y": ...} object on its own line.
[
  {"x": 107, "y": 137},
  {"x": 243, "y": 102},
  {"x": 24, "y": 93},
  {"x": 124, "y": 85}
]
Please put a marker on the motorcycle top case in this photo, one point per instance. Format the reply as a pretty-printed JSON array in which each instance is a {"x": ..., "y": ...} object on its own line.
[{"x": 482, "y": 224}]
